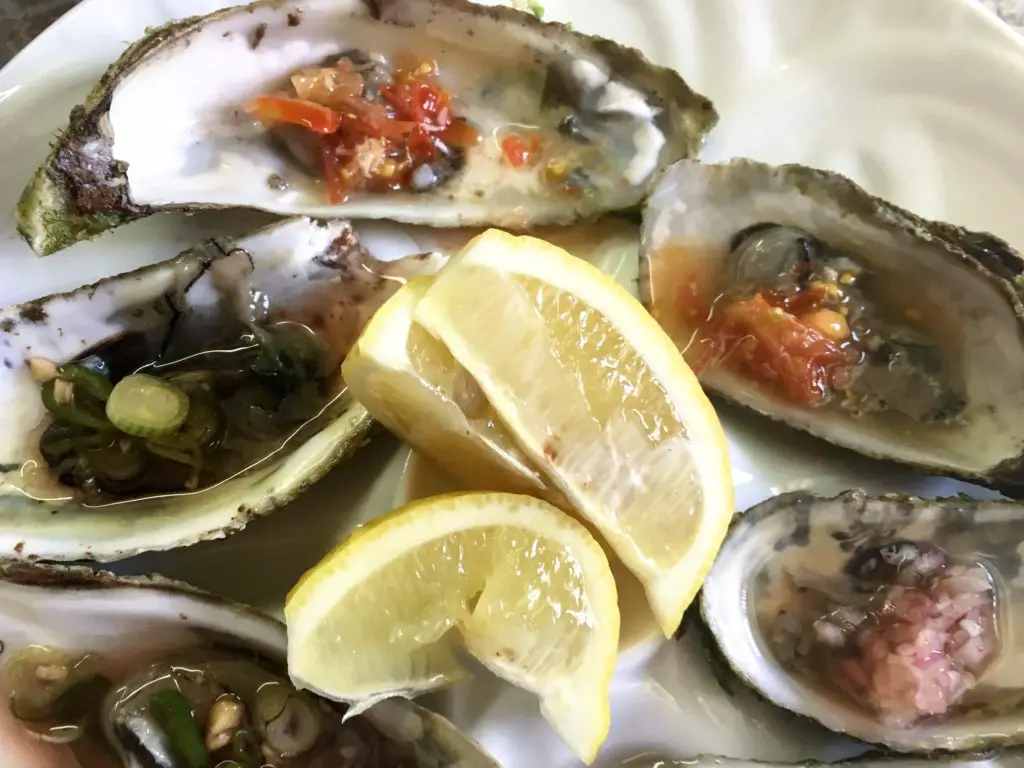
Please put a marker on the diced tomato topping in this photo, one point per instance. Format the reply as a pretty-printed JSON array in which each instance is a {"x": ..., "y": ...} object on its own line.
[
  {"x": 459, "y": 134},
  {"x": 774, "y": 347},
  {"x": 337, "y": 87},
  {"x": 418, "y": 102},
  {"x": 520, "y": 149},
  {"x": 370, "y": 143},
  {"x": 274, "y": 110}
]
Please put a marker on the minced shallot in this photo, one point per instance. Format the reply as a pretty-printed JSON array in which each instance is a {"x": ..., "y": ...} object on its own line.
[{"x": 913, "y": 650}]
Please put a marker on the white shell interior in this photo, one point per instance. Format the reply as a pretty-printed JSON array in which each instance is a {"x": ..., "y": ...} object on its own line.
[
  {"x": 698, "y": 208},
  {"x": 177, "y": 119},
  {"x": 751, "y": 572}
]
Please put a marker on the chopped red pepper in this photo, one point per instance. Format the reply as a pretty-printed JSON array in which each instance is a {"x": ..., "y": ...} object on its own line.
[
  {"x": 365, "y": 142},
  {"x": 418, "y": 102},
  {"x": 520, "y": 149},
  {"x": 273, "y": 110},
  {"x": 459, "y": 134}
]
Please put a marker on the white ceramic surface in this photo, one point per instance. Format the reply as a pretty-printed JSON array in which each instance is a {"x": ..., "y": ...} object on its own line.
[{"x": 919, "y": 100}]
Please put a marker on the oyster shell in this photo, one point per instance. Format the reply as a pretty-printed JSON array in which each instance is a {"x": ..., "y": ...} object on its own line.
[
  {"x": 125, "y": 155},
  {"x": 72, "y": 627},
  {"x": 910, "y": 343},
  {"x": 992, "y": 759},
  {"x": 305, "y": 273},
  {"x": 894, "y": 619}
]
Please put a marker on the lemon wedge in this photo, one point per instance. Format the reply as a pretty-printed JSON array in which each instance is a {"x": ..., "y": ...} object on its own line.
[
  {"x": 522, "y": 586},
  {"x": 599, "y": 399},
  {"x": 523, "y": 368},
  {"x": 413, "y": 386}
]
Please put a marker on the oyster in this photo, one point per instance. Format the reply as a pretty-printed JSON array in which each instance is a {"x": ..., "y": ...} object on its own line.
[
  {"x": 239, "y": 407},
  {"x": 992, "y": 759},
  {"x": 440, "y": 112},
  {"x": 104, "y": 671},
  {"x": 894, "y": 619},
  {"x": 794, "y": 292}
]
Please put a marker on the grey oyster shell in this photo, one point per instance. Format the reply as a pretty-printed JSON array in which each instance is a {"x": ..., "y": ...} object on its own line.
[
  {"x": 992, "y": 759},
  {"x": 777, "y": 548},
  {"x": 125, "y": 155},
  {"x": 971, "y": 284}
]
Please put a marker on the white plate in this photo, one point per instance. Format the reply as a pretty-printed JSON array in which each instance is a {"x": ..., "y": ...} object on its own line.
[{"x": 919, "y": 100}]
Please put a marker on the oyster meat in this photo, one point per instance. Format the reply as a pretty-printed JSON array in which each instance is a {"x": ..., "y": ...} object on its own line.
[
  {"x": 440, "y": 112},
  {"x": 104, "y": 672},
  {"x": 172, "y": 404},
  {"x": 893, "y": 619},
  {"x": 794, "y": 292}
]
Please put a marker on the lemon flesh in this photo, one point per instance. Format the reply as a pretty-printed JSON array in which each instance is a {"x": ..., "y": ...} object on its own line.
[
  {"x": 597, "y": 397},
  {"x": 413, "y": 386},
  {"x": 522, "y": 586}
]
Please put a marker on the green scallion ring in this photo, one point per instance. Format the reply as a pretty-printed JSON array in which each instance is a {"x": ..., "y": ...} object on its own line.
[{"x": 145, "y": 406}]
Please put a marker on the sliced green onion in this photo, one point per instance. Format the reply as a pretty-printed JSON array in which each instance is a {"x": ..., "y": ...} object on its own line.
[
  {"x": 74, "y": 412},
  {"x": 146, "y": 406},
  {"x": 173, "y": 713},
  {"x": 95, "y": 384}
]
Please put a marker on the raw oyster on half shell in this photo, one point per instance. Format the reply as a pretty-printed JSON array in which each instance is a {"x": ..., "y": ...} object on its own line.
[
  {"x": 440, "y": 112},
  {"x": 794, "y": 292},
  {"x": 894, "y": 619},
  {"x": 176, "y": 402},
  {"x": 990, "y": 759},
  {"x": 104, "y": 672}
]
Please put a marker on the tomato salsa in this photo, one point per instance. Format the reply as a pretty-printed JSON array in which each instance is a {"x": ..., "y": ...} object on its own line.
[
  {"x": 370, "y": 128},
  {"x": 793, "y": 344}
]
